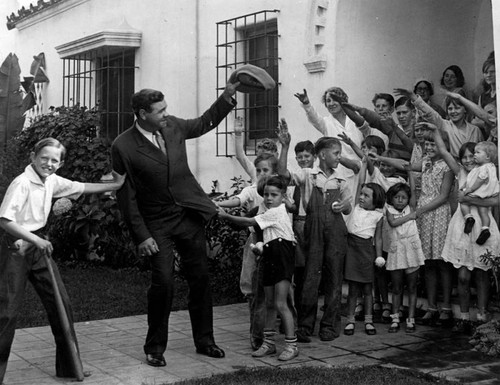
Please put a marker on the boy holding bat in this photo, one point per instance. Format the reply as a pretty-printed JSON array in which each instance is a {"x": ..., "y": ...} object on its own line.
[{"x": 25, "y": 253}]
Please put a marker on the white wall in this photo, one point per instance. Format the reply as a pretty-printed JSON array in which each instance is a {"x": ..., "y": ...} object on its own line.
[{"x": 370, "y": 46}]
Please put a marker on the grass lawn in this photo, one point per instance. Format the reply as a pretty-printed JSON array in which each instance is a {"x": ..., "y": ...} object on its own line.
[
  {"x": 370, "y": 375},
  {"x": 99, "y": 292}
]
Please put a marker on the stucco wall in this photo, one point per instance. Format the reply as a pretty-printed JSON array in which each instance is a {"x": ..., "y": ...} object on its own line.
[{"x": 369, "y": 46}]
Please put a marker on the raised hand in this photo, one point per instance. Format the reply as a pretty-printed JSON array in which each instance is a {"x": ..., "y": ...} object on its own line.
[
  {"x": 426, "y": 126},
  {"x": 304, "y": 99},
  {"x": 350, "y": 106},
  {"x": 452, "y": 95},
  {"x": 337, "y": 98},
  {"x": 238, "y": 125},
  {"x": 404, "y": 92},
  {"x": 282, "y": 132},
  {"x": 230, "y": 90},
  {"x": 344, "y": 138}
]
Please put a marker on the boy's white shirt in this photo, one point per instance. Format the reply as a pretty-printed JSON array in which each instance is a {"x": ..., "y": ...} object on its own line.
[
  {"x": 275, "y": 223},
  {"x": 28, "y": 200}
]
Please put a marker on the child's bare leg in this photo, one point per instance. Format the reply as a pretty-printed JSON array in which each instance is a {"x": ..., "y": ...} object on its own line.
[
  {"x": 351, "y": 307},
  {"x": 368, "y": 296},
  {"x": 484, "y": 215},
  {"x": 281, "y": 291},
  {"x": 397, "y": 293},
  {"x": 411, "y": 281},
  {"x": 268, "y": 346}
]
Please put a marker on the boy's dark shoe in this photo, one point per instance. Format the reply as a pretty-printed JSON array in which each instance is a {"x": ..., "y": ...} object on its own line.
[
  {"x": 483, "y": 237},
  {"x": 469, "y": 224},
  {"x": 303, "y": 336},
  {"x": 327, "y": 335},
  {"x": 256, "y": 342},
  {"x": 156, "y": 359}
]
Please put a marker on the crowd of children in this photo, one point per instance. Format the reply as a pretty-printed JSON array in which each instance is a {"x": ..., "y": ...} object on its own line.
[
  {"x": 373, "y": 198},
  {"x": 376, "y": 199}
]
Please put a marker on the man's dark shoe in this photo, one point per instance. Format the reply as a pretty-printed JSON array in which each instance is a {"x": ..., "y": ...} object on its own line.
[
  {"x": 211, "y": 351},
  {"x": 155, "y": 359}
]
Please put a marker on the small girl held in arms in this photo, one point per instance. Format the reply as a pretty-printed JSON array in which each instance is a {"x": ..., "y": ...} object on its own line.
[
  {"x": 482, "y": 182},
  {"x": 279, "y": 264},
  {"x": 363, "y": 226},
  {"x": 405, "y": 254}
]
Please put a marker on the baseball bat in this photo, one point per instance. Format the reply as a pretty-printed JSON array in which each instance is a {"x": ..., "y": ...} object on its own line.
[{"x": 66, "y": 327}]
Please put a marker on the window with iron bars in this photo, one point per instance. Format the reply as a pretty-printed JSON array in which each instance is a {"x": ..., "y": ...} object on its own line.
[
  {"x": 249, "y": 39},
  {"x": 102, "y": 78}
]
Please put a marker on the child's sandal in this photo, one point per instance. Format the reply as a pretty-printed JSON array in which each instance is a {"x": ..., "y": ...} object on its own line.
[
  {"x": 445, "y": 318},
  {"x": 359, "y": 312},
  {"x": 370, "y": 329},
  {"x": 429, "y": 318},
  {"x": 410, "y": 325},
  {"x": 349, "y": 329},
  {"x": 386, "y": 313},
  {"x": 394, "y": 328}
]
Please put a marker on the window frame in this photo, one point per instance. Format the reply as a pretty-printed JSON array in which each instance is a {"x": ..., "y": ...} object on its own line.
[{"x": 234, "y": 40}]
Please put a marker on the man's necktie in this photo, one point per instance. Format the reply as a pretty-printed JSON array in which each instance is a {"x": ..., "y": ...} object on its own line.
[{"x": 160, "y": 141}]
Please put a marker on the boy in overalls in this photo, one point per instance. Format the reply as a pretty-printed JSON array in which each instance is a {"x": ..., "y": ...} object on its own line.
[{"x": 326, "y": 198}]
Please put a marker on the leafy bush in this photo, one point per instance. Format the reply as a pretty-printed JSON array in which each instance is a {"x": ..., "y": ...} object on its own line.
[{"x": 93, "y": 228}]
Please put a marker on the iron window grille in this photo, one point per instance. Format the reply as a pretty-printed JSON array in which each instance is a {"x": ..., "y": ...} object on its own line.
[
  {"x": 249, "y": 39},
  {"x": 102, "y": 78}
]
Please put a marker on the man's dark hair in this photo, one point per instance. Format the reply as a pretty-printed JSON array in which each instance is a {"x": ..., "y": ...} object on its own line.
[{"x": 143, "y": 100}]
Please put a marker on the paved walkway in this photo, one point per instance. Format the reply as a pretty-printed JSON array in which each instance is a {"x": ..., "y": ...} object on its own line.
[{"x": 112, "y": 350}]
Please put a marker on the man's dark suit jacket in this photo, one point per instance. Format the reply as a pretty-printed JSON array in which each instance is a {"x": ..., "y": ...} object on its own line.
[{"x": 159, "y": 186}]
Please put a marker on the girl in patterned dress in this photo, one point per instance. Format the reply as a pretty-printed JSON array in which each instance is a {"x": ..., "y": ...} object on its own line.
[
  {"x": 433, "y": 216},
  {"x": 461, "y": 250},
  {"x": 405, "y": 253}
]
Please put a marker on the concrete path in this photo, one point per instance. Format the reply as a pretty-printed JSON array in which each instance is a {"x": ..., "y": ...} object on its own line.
[{"x": 112, "y": 350}]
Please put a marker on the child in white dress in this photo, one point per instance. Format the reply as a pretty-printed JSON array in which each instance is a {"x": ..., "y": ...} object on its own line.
[
  {"x": 482, "y": 182},
  {"x": 405, "y": 254}
]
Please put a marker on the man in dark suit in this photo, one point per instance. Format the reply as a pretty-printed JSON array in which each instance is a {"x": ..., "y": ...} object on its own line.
[{"x": 164, "y": 206}]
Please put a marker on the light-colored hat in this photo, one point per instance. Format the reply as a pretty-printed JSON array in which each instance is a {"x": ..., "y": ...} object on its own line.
[{"x": 252, "y": 79}]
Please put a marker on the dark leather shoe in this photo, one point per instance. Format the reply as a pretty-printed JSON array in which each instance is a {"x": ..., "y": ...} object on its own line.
[
  {"x": 212, "y": 351},
  {"x": 155, "y": 359}
]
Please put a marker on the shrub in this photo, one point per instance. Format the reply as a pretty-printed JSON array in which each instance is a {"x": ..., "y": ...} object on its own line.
[{"x": 93, "y": 228}]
